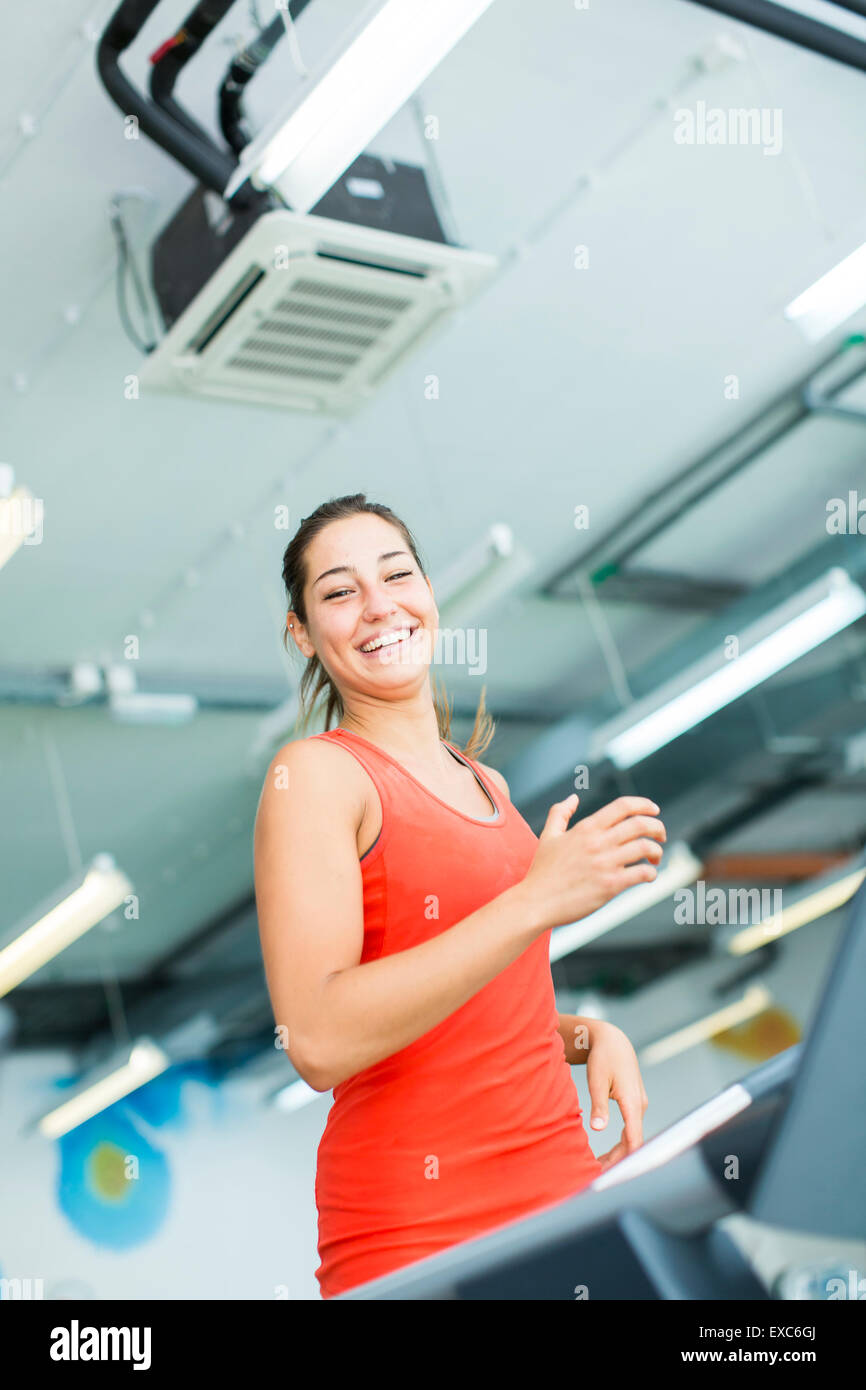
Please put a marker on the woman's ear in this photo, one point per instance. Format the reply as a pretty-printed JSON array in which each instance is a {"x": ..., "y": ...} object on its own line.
[{"x": 298, "y": 633}]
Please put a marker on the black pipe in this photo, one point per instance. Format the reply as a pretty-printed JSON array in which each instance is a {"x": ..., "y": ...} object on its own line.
[
  {"x": 795, "y": 27},
  {"x": 199, "y": 23},
  {"x": 243, "y": 67},
  {"x": 210, "y": 166},
  {"x": 856, "y": 6}
]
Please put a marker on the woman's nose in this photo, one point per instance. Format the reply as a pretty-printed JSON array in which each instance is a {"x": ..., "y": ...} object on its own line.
[{"x": 378, "y": 605}]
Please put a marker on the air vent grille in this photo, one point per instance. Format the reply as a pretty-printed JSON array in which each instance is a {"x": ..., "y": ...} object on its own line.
[
  {"x": 282, "y": 324},
  {"x": 357, "y": 297},
  {"x": 290, "y": 341}
]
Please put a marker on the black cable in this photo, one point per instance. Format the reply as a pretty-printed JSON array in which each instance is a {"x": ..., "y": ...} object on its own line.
[
  {"x": 132, "y": 270},
  {"x": 123, "y": 313},
  {"x": 126, "y": 265}
]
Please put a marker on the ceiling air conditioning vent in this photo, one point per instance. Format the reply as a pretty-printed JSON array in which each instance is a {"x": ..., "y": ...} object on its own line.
[{"x": 307, "y": 313}]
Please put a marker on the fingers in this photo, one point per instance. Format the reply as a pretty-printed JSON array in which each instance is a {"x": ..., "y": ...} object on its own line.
[
  {"x": 616, "y": 811},
  {"x": 633, "y": 826},
  {"x": 632, "y": 1114},
  {"x": 632, "y": 1135},
  {"x": 599, "y": 1095},
  {"x": 635, "y": 836},
  {"x": 631, "y": 850},
  {"x": 636, "y": 873},
  {"x": 560, "y": 814},
  {"x": 612, "y": 1156}
]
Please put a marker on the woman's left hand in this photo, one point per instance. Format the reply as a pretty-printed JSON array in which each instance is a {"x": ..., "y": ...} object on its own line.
[{"x": 612, "y": 1070}]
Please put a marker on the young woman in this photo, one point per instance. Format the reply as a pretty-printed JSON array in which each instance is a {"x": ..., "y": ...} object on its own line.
[{"x": 405, "y": 910}]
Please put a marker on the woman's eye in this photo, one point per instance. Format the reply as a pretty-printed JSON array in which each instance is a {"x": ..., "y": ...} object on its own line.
[{"x": 401, "y": 574}]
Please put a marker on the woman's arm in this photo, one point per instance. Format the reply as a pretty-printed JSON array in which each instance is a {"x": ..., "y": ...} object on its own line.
[
  {"x": 612, "y": 1073},
  {"x": 576, "y": 1034},
  {"x": 341, "y": 1016}
]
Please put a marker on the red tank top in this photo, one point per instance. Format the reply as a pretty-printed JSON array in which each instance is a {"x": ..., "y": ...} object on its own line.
[{"x": 477, "y": 1122}]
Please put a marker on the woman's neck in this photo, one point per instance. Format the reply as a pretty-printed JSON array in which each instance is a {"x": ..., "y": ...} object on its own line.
[{"x": 408, "y": 730}]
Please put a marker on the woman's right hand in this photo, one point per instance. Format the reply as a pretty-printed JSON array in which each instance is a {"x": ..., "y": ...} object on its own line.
[{"x": 575, "y": 872}]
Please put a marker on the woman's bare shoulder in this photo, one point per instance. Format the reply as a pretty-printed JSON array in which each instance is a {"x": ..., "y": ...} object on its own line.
[{"x": 316, "y": 770}]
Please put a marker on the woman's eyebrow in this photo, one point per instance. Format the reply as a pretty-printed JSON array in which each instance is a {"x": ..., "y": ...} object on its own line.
[{"x": 350, "y": 569}]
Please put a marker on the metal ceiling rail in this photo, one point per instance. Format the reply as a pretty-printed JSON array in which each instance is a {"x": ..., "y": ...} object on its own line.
[
  {"x": 797, "y": 28},
  {"x": 217, "y": 694},
  {"x": 677, "y": 496}
]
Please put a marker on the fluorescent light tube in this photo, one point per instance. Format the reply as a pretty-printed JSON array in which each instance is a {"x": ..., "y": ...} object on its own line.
[
  {"x": 678, "y": 868},
  {"x": 487, "y": 556},
  {"x": 769, "y": 645},
  {"x": 487, "y": 573},
  {"x": 140, "y": 707},
  {"x": 102, "y": 889},
  {"x": 20, "y": 516},
  {"x": 755, "y": 1000},
  {"x": 832, "y": 299},
  {"x": 807, "y": 909},
  {"x": 145, "y": 1061},
  {"x": 305, "y": 149},
  {"x": 295, "y": 1095}
]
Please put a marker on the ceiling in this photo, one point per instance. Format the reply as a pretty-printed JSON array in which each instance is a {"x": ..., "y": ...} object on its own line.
[{"x": 607, "y": 387}]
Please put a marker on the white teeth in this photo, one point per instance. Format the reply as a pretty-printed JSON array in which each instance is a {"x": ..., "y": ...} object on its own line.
[{"x": 386, "y": 640}]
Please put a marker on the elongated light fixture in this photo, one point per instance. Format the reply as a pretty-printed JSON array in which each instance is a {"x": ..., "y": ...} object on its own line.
[
  {"x": 146, "y": 1060},
  {"x": 787, "y": 632},
  {"x": 817, "y": 903},
  {"x": 20, "y": 517},
  {"x": 103, "y": 888},
  {"x": 390, "y": 52},
  {"x": 678, "y": 868},
  {"x": 489, "y": 571},
  {"x": 832, "y": 299},
  {"x": 295, "y": 1095},
  {"x": 755, "y": 1000}
]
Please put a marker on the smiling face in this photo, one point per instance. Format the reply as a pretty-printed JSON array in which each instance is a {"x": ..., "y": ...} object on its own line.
[{"x": 370, "y": 614}]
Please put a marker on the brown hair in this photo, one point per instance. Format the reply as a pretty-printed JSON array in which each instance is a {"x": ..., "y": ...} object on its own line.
[{"x": 315, "y": 682}]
